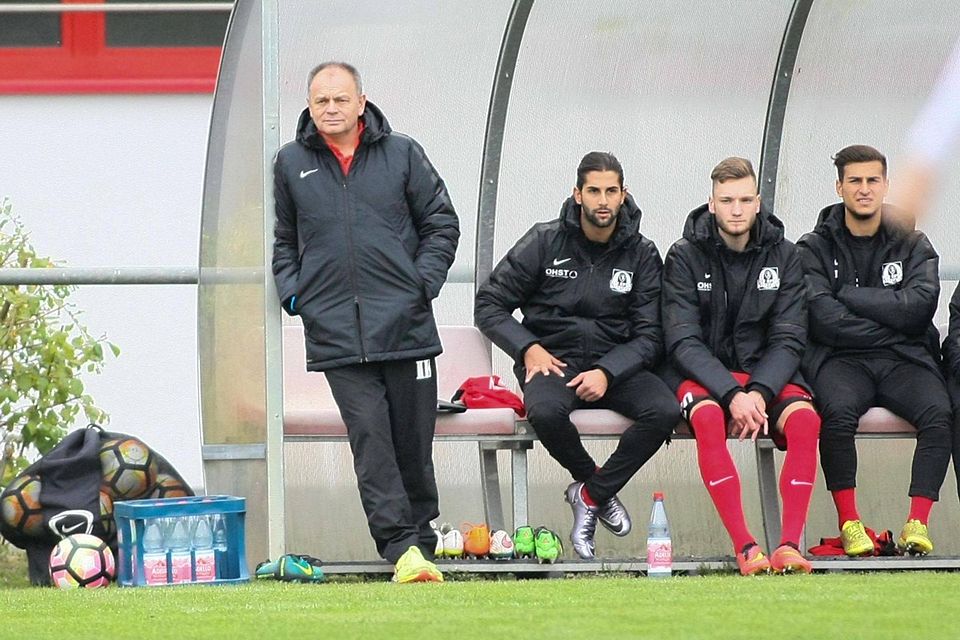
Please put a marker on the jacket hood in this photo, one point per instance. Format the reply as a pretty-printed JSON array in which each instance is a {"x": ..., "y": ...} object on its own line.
[
  {"x": 374, "y": 122},
  {"x": 701, "y": 229},
  {"x": 830, "y": 221},
  {"x": 628, "y": 219}
]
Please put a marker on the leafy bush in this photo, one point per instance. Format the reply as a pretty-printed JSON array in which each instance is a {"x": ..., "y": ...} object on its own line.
[{"x": 43, "y": 350}]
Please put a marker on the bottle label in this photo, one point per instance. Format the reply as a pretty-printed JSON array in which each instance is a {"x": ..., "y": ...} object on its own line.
[
  {"x": 204, "y": 565},
  {"x": 659, "y": 556},
  {"x": 180, "y": 567},
  {"x": 155, "y": 568}
]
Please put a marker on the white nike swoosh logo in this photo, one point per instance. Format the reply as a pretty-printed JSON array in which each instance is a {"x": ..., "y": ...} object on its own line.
[
  {"x": 706, "y": 276},
  {"x": 799, "y": 483},
  {"x": 304, "y": 174},
  {"x": 557, "y": 263},
  {"x": 714, "y": 483},
  {"x": 71, "y": 529}
]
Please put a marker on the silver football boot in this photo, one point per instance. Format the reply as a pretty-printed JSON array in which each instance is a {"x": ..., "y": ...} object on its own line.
[
  {"x": 584, "y": 522},
  {"x": 613, "y": 515}
]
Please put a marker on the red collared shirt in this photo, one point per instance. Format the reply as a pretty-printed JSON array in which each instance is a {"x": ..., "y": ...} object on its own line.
[{"x": 346, "y": 161}]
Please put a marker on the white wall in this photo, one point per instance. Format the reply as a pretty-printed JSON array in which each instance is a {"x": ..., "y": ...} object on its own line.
[{"x": 117, "y": 181}]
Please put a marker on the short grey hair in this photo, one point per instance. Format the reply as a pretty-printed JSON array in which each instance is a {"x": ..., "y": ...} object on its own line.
[{"x": 349, "y": 68}]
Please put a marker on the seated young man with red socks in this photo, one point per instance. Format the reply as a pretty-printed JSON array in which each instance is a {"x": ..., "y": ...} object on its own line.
[{"x": 735, "y": 325}]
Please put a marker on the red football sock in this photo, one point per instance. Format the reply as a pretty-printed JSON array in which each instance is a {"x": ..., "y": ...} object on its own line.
[
  {"x": 799, "y": 471},
  {"x": 585, "y": 496},
  {"x": 846, "y": 502},
  {"x": 719, "y": 474},
  {"x": 920, "y": 508}
]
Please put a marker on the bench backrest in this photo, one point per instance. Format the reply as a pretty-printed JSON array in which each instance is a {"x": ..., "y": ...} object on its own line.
[{"x": 308, "y": 401}]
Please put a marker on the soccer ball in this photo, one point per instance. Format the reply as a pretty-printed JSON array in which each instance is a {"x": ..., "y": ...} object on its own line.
[
  {"x": 169, "y": 487},
  {"x": 106, "y": 513},
  {"x": 21, "y": 505},
  {"x": 81, "y": 560},
  {"x": 129, "y": 468}
]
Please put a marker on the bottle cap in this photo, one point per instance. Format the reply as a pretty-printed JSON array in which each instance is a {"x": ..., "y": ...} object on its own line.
[{"x": 658, "y": 495}]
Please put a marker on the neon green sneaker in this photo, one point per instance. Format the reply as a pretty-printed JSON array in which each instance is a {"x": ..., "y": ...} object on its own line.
[
  {"x": 855, "y": 540},
  {"x": 914, "y": 539},
  {"x": 523, "y": 542},
  {"x": 547, "y": 544},
  {"x": 413, "y": 567}
]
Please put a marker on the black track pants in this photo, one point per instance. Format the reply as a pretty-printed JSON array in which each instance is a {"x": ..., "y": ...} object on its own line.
[
  {"x": 642, "y": 397},
  {"x": 390, "y": 412},
  {"x": 847, "y": 386}
]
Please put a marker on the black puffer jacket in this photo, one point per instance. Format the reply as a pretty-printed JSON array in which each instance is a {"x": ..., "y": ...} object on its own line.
[
  {"x": 589, "y": 312},
  {"x": 951, "y": 344},
  {"x": 891, "y": 309},
  {"x": 770, "y": 328},
  {"x": 366, "y": 253}
]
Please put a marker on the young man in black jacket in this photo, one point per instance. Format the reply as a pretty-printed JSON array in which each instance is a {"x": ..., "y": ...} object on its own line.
[
  {"x": 365, "y": 235},
  {"x": 951, "y": 366},
  {"x": 873, "y": 288},
  {"x": 735, "y": 322},
  {"x": 588, "y": 285}
]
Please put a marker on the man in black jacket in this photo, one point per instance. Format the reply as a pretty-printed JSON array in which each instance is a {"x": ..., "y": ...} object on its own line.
[
  {"x": 951, "y": 366},
  {"x": 588, "y": 285},
  {"x": 735, "y": 323},
  {"x": 365, "y": 234},
  {"x": 873, "y": 288}
]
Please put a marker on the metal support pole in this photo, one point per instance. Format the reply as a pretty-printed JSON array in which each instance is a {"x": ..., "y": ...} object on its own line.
[{"x": 273, "y": 347}]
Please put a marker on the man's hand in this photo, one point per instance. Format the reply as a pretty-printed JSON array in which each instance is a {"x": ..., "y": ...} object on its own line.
[
  {"x": 747, "y": 415},
  {"x": 590, "y": 385},
  {"x": 539, "y": 360}
]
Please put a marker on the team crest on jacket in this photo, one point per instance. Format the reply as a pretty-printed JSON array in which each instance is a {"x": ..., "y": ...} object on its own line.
[
  {"x": 769, "y": 279},
  {"x": 892, "y": 273},
  {"x": 621, "y": 281}
]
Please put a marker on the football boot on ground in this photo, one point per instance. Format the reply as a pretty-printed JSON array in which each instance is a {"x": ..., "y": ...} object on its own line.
[
  {"x": 452, "y": 541},
  {"x": 548, "y": 545},
  {"x": 752, "y": 561},
  {"x": 914, "y": 539},
  {"x": 413, "y": 567},
  {"x": 584, "y": 522},
  {"x": 291, "y": 568},
  {"x": 524, "y": 545},
  {"x": 788, "y": 559},
  {"x": 476, "y": 540},
  {"x": 854, "y": 539},
  {"x": 501, "y": 546}
]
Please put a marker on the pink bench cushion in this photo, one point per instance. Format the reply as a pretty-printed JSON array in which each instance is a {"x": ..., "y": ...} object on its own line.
[{"x": 309, "y": 408}]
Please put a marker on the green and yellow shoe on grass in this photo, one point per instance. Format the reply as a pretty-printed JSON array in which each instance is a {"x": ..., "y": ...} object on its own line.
[
  {"x": 413, "y": 567},
  {"x": 290, "y": 568}
]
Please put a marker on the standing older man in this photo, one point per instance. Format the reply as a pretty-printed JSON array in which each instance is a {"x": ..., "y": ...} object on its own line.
[{"x": 365, "y": 235}]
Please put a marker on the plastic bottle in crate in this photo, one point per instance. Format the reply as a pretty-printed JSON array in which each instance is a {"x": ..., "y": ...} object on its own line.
[
  {"x": 179, "y": 543},
  {"x": 154, "y": 554},
  {"x": 220, "y": 545},
  {"x": 204, "y": 560},
  {"x": 659, "y": 547}
]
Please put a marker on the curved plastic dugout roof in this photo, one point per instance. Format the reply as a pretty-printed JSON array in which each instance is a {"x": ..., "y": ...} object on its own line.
[{"x": 506, "y": 97}]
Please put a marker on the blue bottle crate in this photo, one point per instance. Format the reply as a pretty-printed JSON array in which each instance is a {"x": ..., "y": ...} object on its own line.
[{"x": 132, "y": 516}]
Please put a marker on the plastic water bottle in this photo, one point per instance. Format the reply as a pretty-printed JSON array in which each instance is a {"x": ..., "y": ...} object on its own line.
[
  {"x": 154, "y": 554},
  {"x": 220, "y": 546},
  {"x": 659, "y": 547},
  {"x": 180, "y": 561},
  {"x": 204, "y": 561}
]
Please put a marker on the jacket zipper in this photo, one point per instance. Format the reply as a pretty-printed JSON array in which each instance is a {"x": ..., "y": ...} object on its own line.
[{"x": 351, "y": 252}]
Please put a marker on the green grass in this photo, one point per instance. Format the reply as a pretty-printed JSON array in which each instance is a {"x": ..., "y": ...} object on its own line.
[{"x": 874, "y": 606}]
